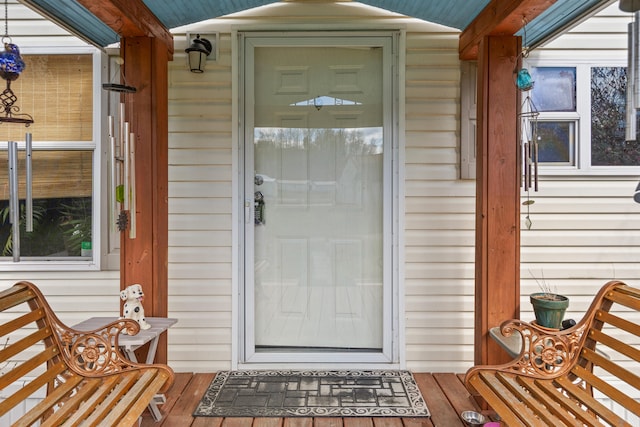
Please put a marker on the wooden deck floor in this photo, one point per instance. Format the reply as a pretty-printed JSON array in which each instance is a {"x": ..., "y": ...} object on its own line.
[{"x": 445, "y": 395}]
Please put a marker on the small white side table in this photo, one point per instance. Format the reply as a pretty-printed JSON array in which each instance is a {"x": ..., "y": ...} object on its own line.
[{"x": 130, "y": 343}]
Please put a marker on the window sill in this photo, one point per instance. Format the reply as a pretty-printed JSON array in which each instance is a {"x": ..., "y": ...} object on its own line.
[{"x": 51, "y": 265}]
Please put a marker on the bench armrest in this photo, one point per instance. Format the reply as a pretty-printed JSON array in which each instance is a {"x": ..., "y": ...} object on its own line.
[
  {"x": 545, "y": 353},
  {"x": 96, "y": 352}
]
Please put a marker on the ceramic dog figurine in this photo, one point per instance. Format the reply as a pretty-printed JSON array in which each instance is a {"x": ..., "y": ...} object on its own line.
[{"x": 133, "y": 309}]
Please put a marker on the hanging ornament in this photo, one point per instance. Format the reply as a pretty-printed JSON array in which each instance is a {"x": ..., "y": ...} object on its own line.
[
  {"x": 523, "y": 79},
  {"x": 11, "y": 65},
  {"x": 527, "y": 221}
]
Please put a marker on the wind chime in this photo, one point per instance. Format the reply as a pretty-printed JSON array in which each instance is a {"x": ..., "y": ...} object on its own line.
[
  {"x": 11, "y": 65},
  {"x": 528, "y": 139},
  {"x": 122, "y": 160}
]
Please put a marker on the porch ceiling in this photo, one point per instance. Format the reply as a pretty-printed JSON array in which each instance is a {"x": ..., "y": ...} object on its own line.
[{"x": 174, "y": 13}]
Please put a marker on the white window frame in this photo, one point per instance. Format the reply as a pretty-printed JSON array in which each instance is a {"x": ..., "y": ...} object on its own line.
[
  {"x": 582, "y": 117},
  {"x": 62, "y": 264}
]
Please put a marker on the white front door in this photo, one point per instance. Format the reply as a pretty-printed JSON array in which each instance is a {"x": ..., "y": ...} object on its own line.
[{"x": 317, "y": 158}]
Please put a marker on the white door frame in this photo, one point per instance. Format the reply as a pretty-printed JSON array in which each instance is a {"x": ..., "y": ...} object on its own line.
[{"x": 244, "y": 354}]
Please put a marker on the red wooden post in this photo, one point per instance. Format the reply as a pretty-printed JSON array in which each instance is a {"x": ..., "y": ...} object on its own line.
[
  {"x": 144, "y": 259},
  {"x": 497, "y": 194}
]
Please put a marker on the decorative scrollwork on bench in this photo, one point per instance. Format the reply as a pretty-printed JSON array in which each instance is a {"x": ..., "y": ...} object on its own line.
[
  {"x": 544, "y": 352},
  {"x": 95, "y": 352}
]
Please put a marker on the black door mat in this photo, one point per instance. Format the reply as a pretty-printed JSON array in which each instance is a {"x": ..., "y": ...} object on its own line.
[{"x": 379, "y": 393}]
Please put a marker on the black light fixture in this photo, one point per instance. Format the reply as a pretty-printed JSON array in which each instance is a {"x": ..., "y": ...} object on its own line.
[
  {"x": 198, "y": 52},
  {"x": 630, "y": 5}
]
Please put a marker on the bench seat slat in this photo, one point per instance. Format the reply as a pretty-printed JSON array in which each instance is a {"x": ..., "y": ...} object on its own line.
[
  {"x": 41, "y": 381},
  {"x": 89, "y": 405},
  {"x": 529, "y": 394},
  {"x": 611, "y": 367},
  {"x": 613, "y": 320},
  {"x": 26, "y": 368},
  {"x": 495, "y": 401},
  {"x": 615, "y": 344},
  {"x": 516, "y": 405},
  {"x": 148, "y": 394},
  {"x": 551, "y": 402},
  {"x": 129, "y": 408},
  {"x": 47, "y": 405},
  {"x": 75, "y": 410},
  {"x": 125, "y": 381},
  {"x": 16, "y": 324},
  {"x": 24, "y": 343},
  {"x": 630, "y": 290},
  {"x": 590, "y": 403},
  {"x": 604, "y": 387},
  {"x": 70, "y": 406},
  {"x": 14, "y": 296},
  {"x": 574, "y": 412},
  {"x": 624, "y": 298}
]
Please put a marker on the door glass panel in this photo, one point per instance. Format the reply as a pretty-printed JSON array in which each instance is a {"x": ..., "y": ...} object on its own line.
[{"x": 318, "y": 190}]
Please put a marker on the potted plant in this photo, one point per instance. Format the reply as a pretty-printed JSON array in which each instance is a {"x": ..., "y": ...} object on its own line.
[{"x": 548, "y": 306}]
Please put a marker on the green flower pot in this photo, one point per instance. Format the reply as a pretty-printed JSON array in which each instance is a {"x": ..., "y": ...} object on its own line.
[{"x": 549, "y": 309}]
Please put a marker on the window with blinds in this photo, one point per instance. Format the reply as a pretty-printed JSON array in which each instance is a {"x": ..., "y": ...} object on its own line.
[{"x": 57, "y": 91}]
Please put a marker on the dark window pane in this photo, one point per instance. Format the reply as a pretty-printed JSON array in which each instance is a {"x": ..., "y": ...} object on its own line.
[
  {"x": 608, "y": 108},
  {"x": 556, "y": 142},
  {"x": 62, "y": 215},
  {"x": 554, "y": 88}
]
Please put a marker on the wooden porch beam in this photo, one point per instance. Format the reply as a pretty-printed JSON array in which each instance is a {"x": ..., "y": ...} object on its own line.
[
  {"x": 500, "y": 17},
  {"x": 130, "y": 18}
]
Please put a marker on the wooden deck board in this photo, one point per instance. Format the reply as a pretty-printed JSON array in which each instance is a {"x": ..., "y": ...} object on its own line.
[
  {"x": 442, "y": 413},
  {"x": 456, "y": 393},
  {"x": 445, "y": 395},
  {"x": 327, "y": 422},
  {"x": 358, "y": 422},
  {"x": 268, "y": 422},
  {"x": 387, "y": 422}
]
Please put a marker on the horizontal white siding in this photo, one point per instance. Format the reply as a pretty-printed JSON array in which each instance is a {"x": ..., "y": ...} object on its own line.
[
  {"x": 439, "y": 218},
  {"x": 74, "y": 296},
  {"x": 200, "y": 212}
]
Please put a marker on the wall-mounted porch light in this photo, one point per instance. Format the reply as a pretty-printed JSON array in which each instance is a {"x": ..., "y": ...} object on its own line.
[
  {"x": 197, "y": 53},
  {"x": 630, "y": 5}
]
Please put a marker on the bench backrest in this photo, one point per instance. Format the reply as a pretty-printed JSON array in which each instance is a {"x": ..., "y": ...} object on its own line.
[
  {"x": 27, "y": 344},
  {"x": 614, "y": 369}
]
